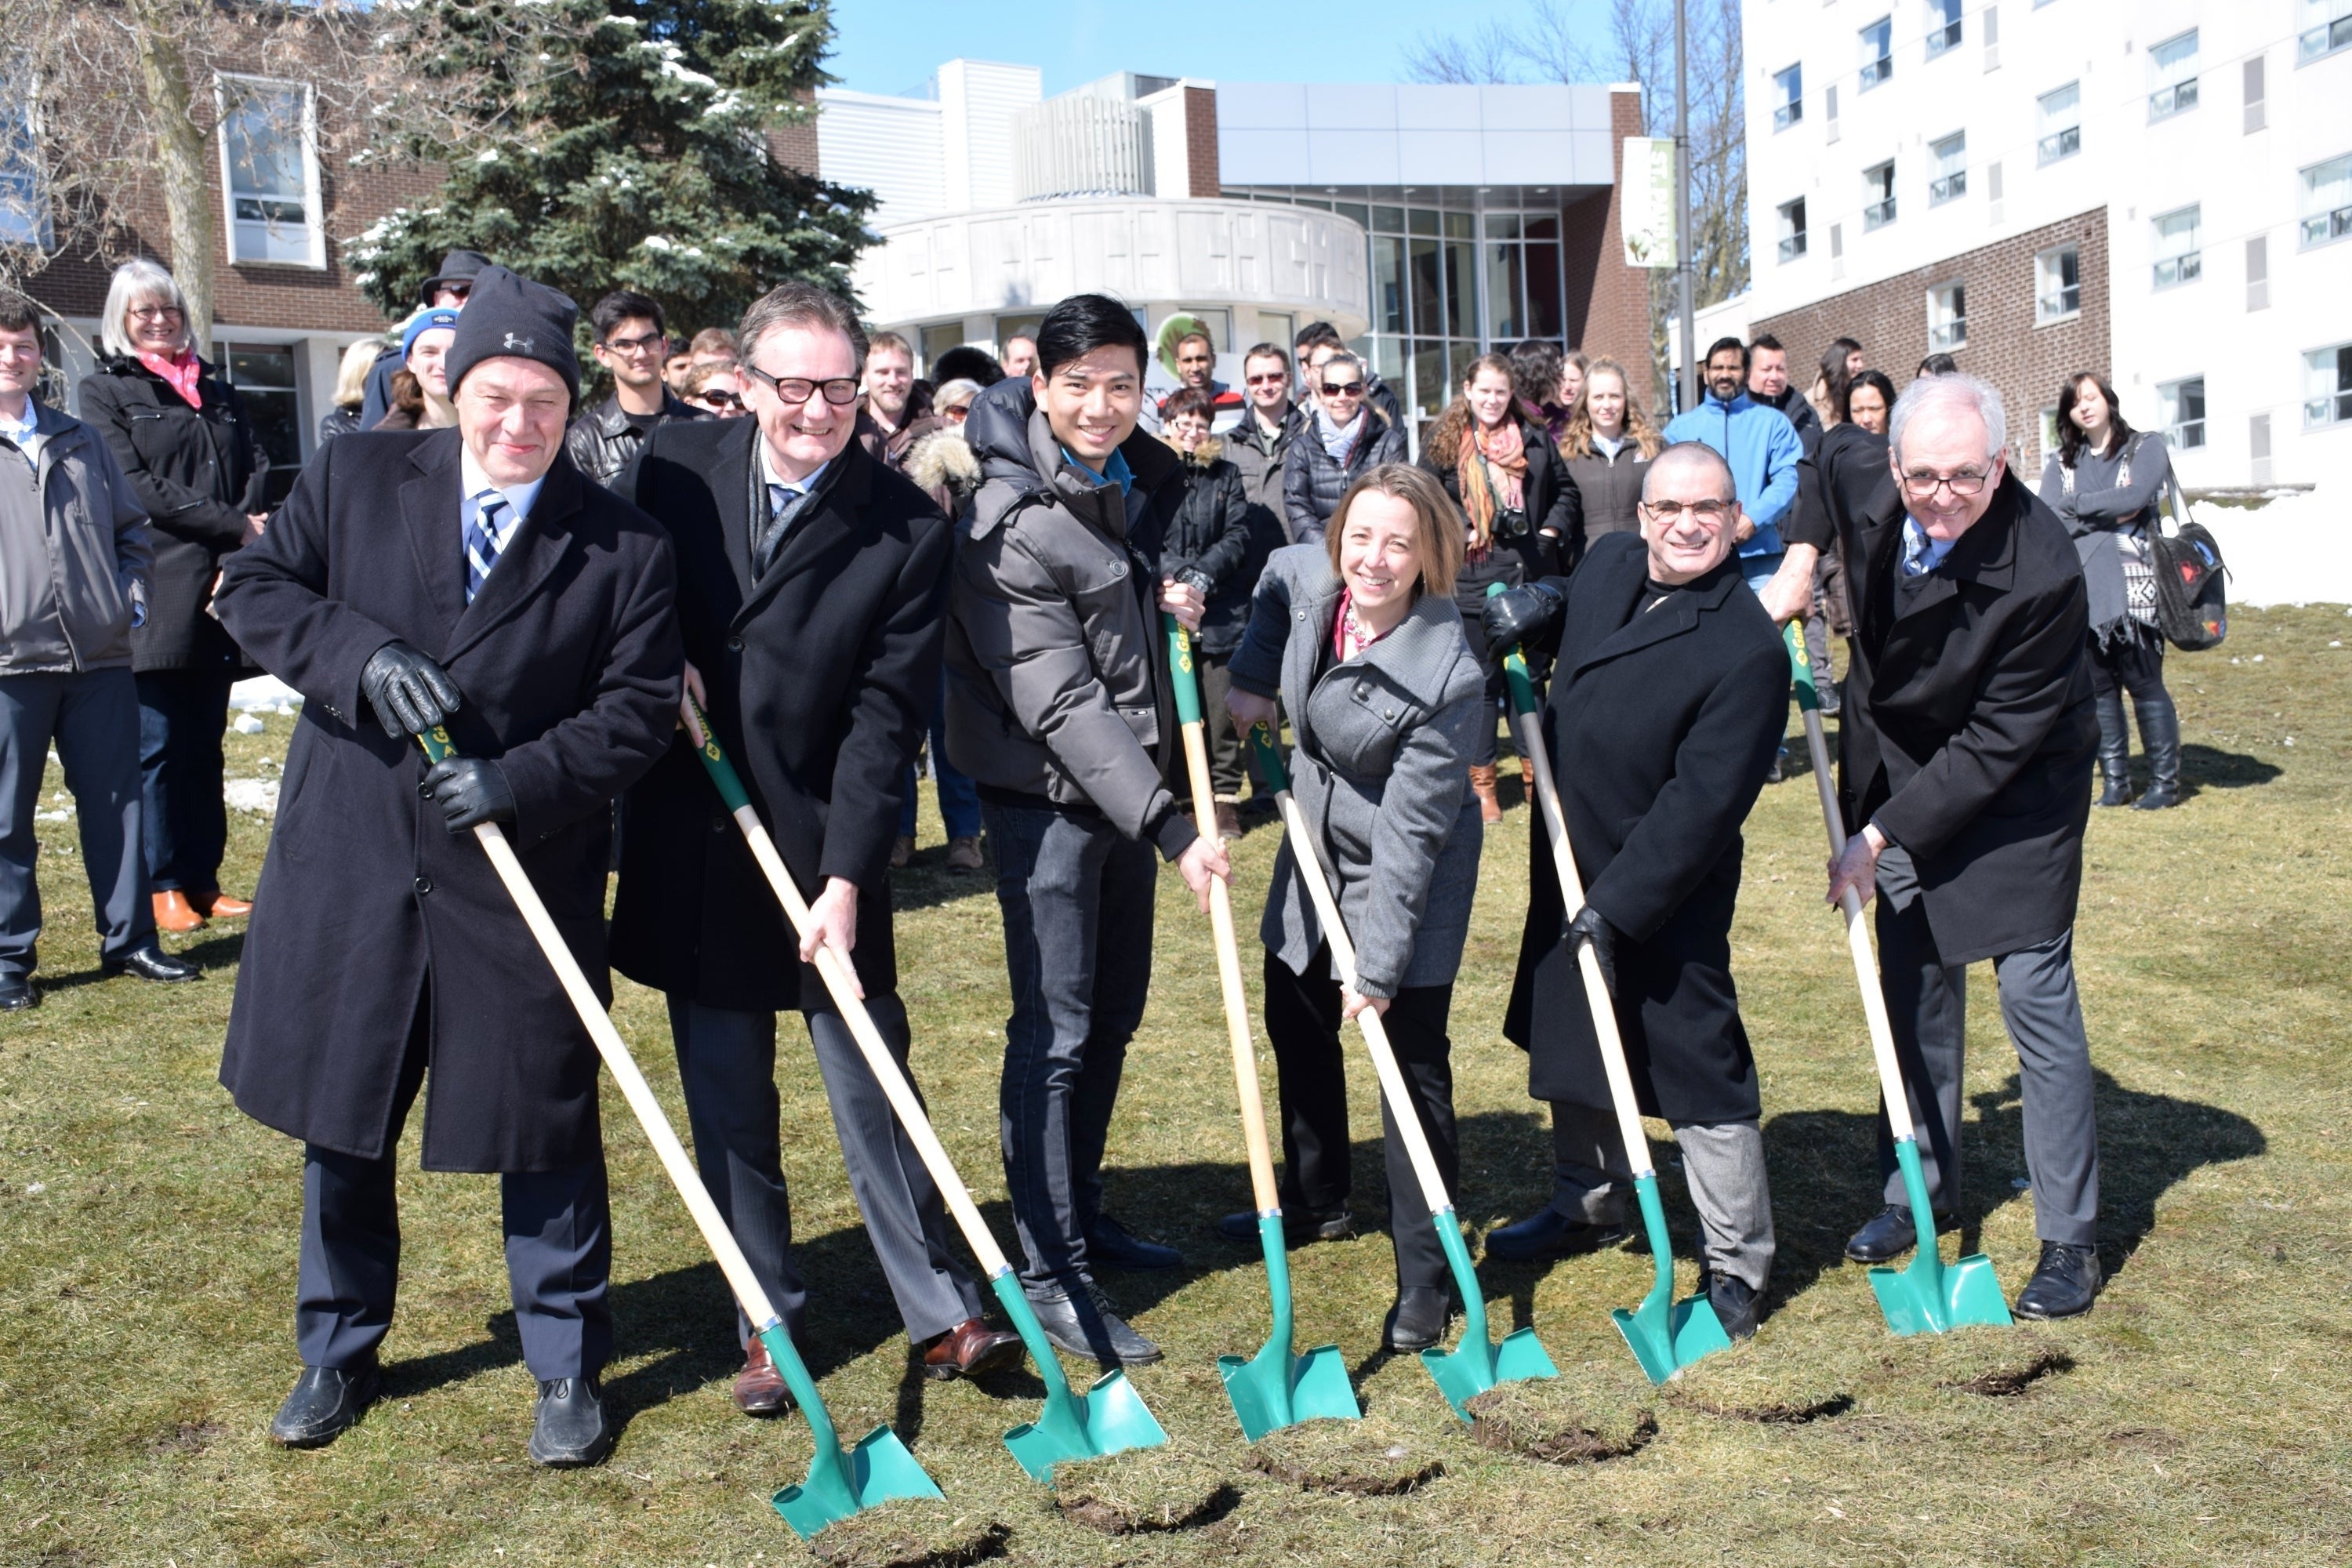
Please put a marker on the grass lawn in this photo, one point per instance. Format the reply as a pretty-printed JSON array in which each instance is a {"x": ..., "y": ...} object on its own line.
[{"x": 148, "y": 1232}]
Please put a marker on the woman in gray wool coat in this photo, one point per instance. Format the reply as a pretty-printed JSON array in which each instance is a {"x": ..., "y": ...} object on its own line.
[{"x": 1359, "y": 635}]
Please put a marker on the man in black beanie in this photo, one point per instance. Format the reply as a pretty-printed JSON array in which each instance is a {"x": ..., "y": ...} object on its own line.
[{"x": 470, "y": 578}]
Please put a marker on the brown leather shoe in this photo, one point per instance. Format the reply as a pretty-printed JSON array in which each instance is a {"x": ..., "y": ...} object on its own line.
[
  {"x": 176, "y": 913},
  {"x": 760, "y": 1388},
  {"x": 1482, "y": 785},
  {"x": 971, "y": 1347},
  {"x": 1229, "y": 821},
  {"x": 902, "y": 850},
  {"x": 214, "y": 904},
  {"x": 963, "y": 854}
]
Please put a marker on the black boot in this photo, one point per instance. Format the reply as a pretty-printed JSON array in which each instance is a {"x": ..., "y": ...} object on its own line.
[
  {"x": 2159, "y": 732},
  {"x": 2115, "y": 750}
]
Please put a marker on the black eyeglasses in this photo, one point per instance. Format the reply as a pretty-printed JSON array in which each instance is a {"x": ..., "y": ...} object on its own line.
[
  {"x": 1966, "y": 482},
  {"x": 1343, "y": 389},
  {"x": 650, "y": 342},
  {"x": 796, "y": 390}
]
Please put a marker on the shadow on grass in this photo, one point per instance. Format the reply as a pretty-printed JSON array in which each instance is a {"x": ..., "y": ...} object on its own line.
[
  {"x": 217, "y": 951},
  {"x": 2209, "y": 767}
]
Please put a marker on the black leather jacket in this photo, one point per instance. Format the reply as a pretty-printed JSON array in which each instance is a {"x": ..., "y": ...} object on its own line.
[{"x": 603, "y": 442}]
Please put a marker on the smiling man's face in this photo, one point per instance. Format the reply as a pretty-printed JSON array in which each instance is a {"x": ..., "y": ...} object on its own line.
[{"x": 511, "y": 413}]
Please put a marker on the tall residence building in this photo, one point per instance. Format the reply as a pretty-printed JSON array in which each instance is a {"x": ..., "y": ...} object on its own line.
[
  {"x": 1430, "y": 224},
  {"x": 2160, "y": 192}
]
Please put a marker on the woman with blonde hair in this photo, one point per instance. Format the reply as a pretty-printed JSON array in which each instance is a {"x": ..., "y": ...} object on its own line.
[
  {"x": 183, "y": 439},
  {"x": 351, "y": 390},
  {"x": 1359, "y": 635},
  {"x": 1608, "y": 444}
]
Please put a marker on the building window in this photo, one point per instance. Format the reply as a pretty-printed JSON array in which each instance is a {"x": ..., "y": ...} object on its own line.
[
  {"x": 2173, "y": 64},
  {"x": 270, "y": 172},
  {"x": 2252, "y": 76},
  {"x": 1950, "y": 166},
  {"x": 2258, "y": 273},
  {"x": 1943, "y": 27},
  {"x": 1877, "y": 52},
  {"x": 2328, "y": 27},
  {"x": 1523, "y": 275},
  {"x": 2328, "y": 385},
  {"x": 1947, "y": 317},
  {"x": 2060, "y": 117},
  {"x": 2327, "y": 201},
  {"x": 1792, "y": 229},
  {"x": 2178, "y": 256},
  {"x": 24, "y": 195},
  {"x": 1789, "y": 88},
  {"x": 1878, "y": 195},
  {"x": 2183, "y": 402},
  {"x": 263, "y": 374},
  {"x": 2057, "y": 284}
]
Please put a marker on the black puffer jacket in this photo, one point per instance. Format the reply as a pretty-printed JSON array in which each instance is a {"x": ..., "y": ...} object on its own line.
[
  {"x": 1211, "y": 534},
  {"x": 198, "y": 472},
  {"x": 1313, "y": 480}
]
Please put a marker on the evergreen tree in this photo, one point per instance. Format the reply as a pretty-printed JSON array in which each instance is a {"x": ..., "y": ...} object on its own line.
[{"x": 602, "y": 144}]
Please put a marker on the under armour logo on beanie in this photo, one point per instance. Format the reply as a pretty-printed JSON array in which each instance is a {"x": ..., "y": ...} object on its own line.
[
  {"x": 508, "y": 316},
  {"x": 520, "y": 345}
]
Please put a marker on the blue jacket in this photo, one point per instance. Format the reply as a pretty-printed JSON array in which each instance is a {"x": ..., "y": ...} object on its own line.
[{"x": 1763, "y": 451}]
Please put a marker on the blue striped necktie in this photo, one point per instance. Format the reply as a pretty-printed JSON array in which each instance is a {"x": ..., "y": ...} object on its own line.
[{"x": 486, "y": 527}]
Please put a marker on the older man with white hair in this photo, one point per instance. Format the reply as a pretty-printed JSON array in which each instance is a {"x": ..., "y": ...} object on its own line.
[{"x": 1967, "y": 743}]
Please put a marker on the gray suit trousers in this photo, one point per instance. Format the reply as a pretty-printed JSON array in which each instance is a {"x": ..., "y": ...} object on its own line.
[
  {"x": 728, "y": 1061},
  {"x": 1723, "y": 1162},
  {"x": 1926, "y": 1002}
]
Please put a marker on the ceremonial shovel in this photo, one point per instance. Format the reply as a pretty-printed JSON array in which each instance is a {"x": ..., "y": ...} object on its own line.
[
  {"x": 1476, "y": 1363},
  {"x": 1665, "y": 1336},
  {"x": 1109, "y": 1417},
  {"x": 1925, "y": 1297},
  {"x": 1275, "y": 1388},
  {"x": 880, "y": 1469}
]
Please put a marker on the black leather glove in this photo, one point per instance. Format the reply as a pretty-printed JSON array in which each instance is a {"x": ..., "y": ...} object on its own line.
[
  {"x": 409, "y": 692},
  {"x": 1512, "y": 616},
  {"x": 471, "y": 791},
  {"x": 1590, "y": 925},
  {"x": 1192, "y": 577}
]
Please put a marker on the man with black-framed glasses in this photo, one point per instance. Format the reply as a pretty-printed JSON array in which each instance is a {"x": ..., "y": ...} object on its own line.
[
  {"x": 1967, "y": 744},
  {"x": 631, "y": 342}
]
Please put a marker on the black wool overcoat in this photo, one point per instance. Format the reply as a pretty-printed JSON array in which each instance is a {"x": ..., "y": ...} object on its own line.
[
  {"x": 1662, "y": 727},
  {"x": 569, "y": 662},
  {"x": 822, "y": 676},
  {"x": 1971, "y": 730}
]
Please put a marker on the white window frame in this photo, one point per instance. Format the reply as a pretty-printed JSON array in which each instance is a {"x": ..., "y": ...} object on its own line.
[
  {"x": 2054, "y": 141},
  {"x": 1947, "y": 316},
  {"x": 1877, "y": 213},
  {"x": 2185, "y": 434},
  {"x": 2333, "y": 33},
  {"x": 1792, "y": 217},
  {"x": 2175, "y": 82},
  {"x": 2171, "y": 268},
  {"x": 2332, "y": 405},
  {"x": 1879, "y": 67},
  {"x": 1953, "y": 182},
  {"x": 2318, "y": 225},
  {"x": 313, "y": 207},
  {"x": 1790, "y": 107},
  {"x": 2050, "y": 303},
  {"x": 1944, "y": 26}
]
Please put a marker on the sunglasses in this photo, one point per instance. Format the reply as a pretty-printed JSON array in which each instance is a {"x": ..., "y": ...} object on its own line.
[
  {"x": 1271, "y": 378},
  {"x": 1343, "y": 389},
  {"x": 718, "y": 400}
]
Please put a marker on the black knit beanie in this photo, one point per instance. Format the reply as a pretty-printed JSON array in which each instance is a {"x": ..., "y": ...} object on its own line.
[{"x": 509, "y": 317}]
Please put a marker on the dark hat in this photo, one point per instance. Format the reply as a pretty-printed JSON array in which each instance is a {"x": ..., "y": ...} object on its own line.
[
  {"x": 458, "y": 267},
  {"x": 509, "y": 317}
]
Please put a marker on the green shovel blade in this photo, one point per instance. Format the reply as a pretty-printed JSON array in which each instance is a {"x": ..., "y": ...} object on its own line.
[
  {"x": 1476, "y": 1363},
  {"x": 1928, "y": 1297},
  {"x": 1667, "y": 1336},
  {"x": 1274, "y": 1388},
  {"x": 1109, "y": 1418},
  {"x": 879, "y": 1469}
]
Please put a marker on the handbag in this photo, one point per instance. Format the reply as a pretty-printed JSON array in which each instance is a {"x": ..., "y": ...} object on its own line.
[{"x": 2192, "y": 609}]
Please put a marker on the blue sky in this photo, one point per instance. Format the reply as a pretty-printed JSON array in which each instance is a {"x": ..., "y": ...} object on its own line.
[{"x": 892, "y": 46}]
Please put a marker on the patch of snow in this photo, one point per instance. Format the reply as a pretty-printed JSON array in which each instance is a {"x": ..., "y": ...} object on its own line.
[
  {"x": 263, "y": 692},
  {"x": 257, "y": 795},
  {"x": 2293, "y": 550}
]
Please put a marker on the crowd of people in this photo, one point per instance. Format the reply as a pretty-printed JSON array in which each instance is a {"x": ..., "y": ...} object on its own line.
[{"x": 782, "y": 531}]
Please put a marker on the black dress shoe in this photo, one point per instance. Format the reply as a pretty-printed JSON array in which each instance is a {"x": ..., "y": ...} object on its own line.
[
  {"x": 326, "y": 1402},
  {"x": 1298, "y": 1229},
  {"x": 149, "y": 962},
  {"x": 1737, "y": 1307},
  {"x": 1417, "y": 1320},
  {"x": 1547, "y": 1233},
  {"x": 1890, "y": 1235},
  {"x": 568, "y": 1431},
  {"x": 1086, "y": 1322},
  {"x": 2064, "y": 1283},
  {"x": 1109, "y": 1242},
  {"x": 17, "y": 994}
]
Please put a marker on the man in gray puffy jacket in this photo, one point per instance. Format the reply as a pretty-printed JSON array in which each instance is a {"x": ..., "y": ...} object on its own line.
[
  {"x": 74, "y": 559},
  {"x": 1061, "y": 709}
]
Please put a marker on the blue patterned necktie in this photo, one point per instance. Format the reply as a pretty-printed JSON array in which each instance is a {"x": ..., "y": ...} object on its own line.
[{"x": 486, "y": 527}]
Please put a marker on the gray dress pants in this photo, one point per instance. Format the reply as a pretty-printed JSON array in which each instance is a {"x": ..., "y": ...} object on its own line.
[
  {"x": 728, "y": 1062},
  {"x": 1723, "y": 1162},
  {"x": 92, "y": 720},
  {"x": 1926, "y": 1002}
]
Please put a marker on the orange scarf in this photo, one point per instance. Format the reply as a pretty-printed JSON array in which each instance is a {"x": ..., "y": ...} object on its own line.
[{"x": 1504, "y": 452}]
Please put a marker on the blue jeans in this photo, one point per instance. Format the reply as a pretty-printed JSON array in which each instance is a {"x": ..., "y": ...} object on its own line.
[
  {"x": 1758, "y": 570},
  {"x": 182, "y": 713},
  {"x": 959, "y": 796},
  {"x": 1077, "y": 896},
  {"x": 92, "y": 718}
]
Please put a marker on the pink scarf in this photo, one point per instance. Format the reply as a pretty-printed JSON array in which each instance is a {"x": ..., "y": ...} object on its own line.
[{"x": 180, "y": 371}]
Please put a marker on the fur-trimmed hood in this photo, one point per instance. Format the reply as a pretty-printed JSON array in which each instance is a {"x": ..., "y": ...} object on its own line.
[
  {"x": 1210, "y": 449},
  {"x": 943, "y": 458}
]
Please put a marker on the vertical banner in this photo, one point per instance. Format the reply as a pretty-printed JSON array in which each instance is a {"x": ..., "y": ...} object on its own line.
[{"x": 1646, "y": 202}]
